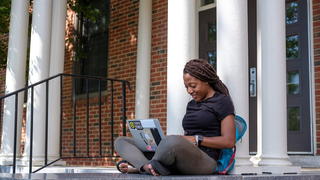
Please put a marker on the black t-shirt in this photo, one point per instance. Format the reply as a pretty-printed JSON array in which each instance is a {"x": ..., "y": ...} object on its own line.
[{"x": 204, "y": 118}]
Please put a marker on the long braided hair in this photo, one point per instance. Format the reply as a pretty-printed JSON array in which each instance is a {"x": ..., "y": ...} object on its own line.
[{"x": 202, "y": 70}]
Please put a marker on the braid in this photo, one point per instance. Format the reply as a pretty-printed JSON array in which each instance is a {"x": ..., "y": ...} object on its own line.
[{"x": 204, "y": 71}]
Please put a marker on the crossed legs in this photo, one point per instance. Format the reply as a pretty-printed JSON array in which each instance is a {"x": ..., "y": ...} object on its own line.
[{"x": 172, "y": 152}]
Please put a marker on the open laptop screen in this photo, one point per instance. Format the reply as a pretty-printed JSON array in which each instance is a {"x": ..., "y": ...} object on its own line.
[{"x": 147, "y": 133}]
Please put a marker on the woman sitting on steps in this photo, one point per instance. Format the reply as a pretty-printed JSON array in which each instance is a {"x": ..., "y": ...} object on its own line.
[{"x": 208, "y": 127}]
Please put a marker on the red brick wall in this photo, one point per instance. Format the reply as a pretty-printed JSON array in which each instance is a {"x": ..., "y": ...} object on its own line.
[
  {"x": 66, "y": 122},
  {"x": 2, "y": 80},
  {"x": 316, "y": 43},
  {"x": 123, "y": 30},
  {"x": 121, "y": 65},
  {"x": 2, "y": 90}
]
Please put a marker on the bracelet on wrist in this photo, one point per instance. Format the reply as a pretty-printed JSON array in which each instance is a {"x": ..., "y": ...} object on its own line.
[{"x": 196, "y": 138}]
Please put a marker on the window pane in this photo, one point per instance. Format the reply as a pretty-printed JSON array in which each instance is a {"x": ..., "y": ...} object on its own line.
[
  {"x": 294, "y": 118},
  {"x": 92, "y": 42},
  {"x": 292, "y": 12},
  {"x": 212, "y": 59},
  {"x": 212, "y": 32},
  {"x": 293, "y": 83},
  {"x": 292, "y": 45},
  {"x": 206, "y": 2}
]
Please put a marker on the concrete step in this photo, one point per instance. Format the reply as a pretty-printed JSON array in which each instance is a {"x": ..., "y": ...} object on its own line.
[
  {"x": 60, "y": 169},
  {"x": 74, "y": 169},
  {"x": 107, "y": 176}
]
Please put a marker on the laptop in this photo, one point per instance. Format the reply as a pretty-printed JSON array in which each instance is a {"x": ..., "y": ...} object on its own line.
[{"x": 146, "y": 132}]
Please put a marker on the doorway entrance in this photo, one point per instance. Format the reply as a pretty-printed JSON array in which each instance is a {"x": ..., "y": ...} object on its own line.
[{"x": 298, "y": 84}]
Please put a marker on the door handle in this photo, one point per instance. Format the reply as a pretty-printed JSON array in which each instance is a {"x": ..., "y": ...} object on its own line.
[{"x": 253, "y": 82}]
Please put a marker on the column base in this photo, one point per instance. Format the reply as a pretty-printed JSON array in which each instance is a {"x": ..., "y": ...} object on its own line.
[
  {"x": 267, "y": 165},
  {"x": 7, "y": 160},
  {"x": 270, "y": 161},
  {"x": 243, "y": 161},
  {"x": 246, "y": 170}
]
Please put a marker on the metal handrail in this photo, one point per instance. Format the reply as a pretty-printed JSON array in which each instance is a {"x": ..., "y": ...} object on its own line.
[
  {"x": 63, "y": 74},
  {"x": 31, "y": 87}
]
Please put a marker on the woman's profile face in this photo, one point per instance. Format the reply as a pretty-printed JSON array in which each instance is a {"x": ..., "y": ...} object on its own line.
[{"x": 199, "y": 90}]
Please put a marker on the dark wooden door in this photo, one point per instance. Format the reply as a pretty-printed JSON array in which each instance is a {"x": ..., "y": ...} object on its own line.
[{"x": 298, "y": 86}]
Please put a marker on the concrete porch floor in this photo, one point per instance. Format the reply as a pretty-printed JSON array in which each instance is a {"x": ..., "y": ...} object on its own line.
[
  {"x": 111, "y": 173},
  {"x": 109, "y": 176}
]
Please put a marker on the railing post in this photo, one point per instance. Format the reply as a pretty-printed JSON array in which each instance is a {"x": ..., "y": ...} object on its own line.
[
  {"x": 46, "y": 124},
  {"x": 112, "y": 118},
  {"x": 31, "y": 130},
  {"x": 100, "y": 143},
  {"x": 61, "y": 113},
  {"x": 124, "y": 110},
  {"x": 87, "y": 92},
  {"x": 15, "y": 133},
  {"x": 74, "y": 117}
]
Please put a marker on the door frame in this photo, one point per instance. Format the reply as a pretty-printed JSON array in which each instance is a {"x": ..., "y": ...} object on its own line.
[{"x": 312, "y": 90}]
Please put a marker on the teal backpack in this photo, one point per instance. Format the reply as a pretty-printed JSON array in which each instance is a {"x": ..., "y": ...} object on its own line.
[{"x": 226, "y": 159}]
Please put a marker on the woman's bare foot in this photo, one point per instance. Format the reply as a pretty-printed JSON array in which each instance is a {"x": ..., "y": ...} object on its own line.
[
  {"x": 126, "y": 168},
  {"x": 149, "y": 169}
]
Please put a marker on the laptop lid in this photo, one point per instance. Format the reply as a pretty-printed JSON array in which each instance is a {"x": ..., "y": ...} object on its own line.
[{"x": 147, "y": 133}]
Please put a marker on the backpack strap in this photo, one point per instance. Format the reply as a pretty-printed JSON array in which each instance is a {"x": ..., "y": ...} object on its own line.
[
  {"x": 226, "y": 160},
  {"x": 230, "y": 163}
]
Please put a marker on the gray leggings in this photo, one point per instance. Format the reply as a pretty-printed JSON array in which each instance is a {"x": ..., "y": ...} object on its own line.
[{"x": 174, "y": 152}]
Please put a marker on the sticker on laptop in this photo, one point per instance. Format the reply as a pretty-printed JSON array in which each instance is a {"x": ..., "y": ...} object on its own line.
[{"x": 135, "y": 125}]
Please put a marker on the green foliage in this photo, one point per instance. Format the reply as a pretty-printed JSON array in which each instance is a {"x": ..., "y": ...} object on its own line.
[
  {"x": 88, "y": 13},
  {"x": 3, "y": 52},
  {"x": 82, "y": 7},
  {"x": 4, "y": 15},
  {"x": 85, "y": 9},
  {"x": 4, "y": 30}
]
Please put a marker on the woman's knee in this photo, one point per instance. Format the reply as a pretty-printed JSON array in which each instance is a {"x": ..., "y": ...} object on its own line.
[
  {"x": 173, "y": 141},
  {"x": 120, "y": 142}
]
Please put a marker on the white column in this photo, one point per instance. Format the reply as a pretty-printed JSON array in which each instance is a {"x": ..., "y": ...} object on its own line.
[
  {"x": 39, "y": 70},
  {"x": 59, "y": 12},
  {"x": 15, "y": 75},
  {"x": 142, "y": 103},
  {"x": 232, "y": 64},
  {"x": 271, "y": 68},
  {"x": 181, "y": 48}
]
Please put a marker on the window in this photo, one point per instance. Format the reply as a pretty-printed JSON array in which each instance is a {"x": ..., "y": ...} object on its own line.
[
  {"x": 293, "y": 82},
  {"x": 292, "y": 45},
  {"x": 206, "y": 2},
  {"x": 92, "y": 39},
  {"x": 292, "y": 12}
]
